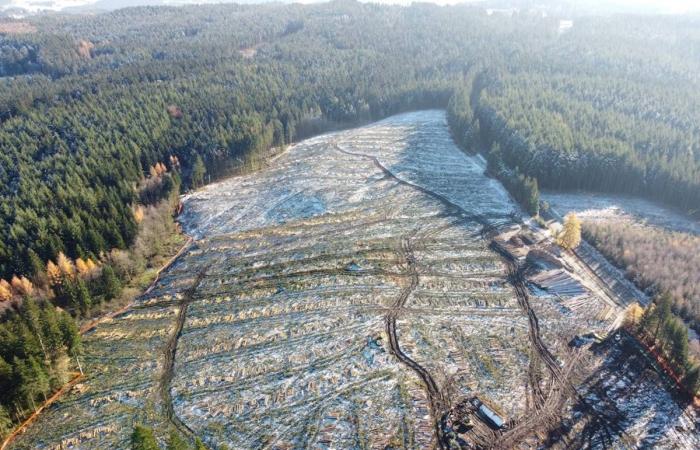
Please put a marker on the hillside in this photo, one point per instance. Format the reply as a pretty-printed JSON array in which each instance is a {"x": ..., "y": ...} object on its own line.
[
  {"x": 344, "y": 294},
  {"x": 136, "y": 86},
  {"x": 106, "y": 119}
]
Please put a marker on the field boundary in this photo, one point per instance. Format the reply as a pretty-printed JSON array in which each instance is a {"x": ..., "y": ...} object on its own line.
[
  {"x": 112, "y": 314},
  {"x": 29, "y": 420},
  {"x": 83, "y": 330}
]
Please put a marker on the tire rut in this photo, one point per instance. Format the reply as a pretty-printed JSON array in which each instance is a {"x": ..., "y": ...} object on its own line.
[
  {"x": 560, "y": 389},
  {"x": 548, "y": 404},
  {"x": 435, "y": 397},
  {"x": 169, "y": 353}
]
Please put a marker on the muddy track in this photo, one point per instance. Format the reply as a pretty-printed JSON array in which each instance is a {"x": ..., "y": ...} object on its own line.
[
  {"x": 438, "y": 403},
  {"x": 434, "y": 395},
  {"x": 452, "y": 207},
  {"x": 560, "y": 389},
  {"x": 549, "y": 405},
  {"x": 169, "y": 352}
]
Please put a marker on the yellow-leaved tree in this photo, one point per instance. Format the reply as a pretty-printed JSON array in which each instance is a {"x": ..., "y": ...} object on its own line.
[
  {"x": 81, "y": 267},
  {"x": 5, "y": 291},
  {"x": 92, "y": 267},
  {"x": 53, "y": 273},
  {"x": 66, "y": 265},
  {"x": 570, "y": 235},
  {"x": 138, "y": 213},
  {"x": 86, "y": 268},
  {"x": 22, "y": 285},
  {"x": 633, "y": 314}
]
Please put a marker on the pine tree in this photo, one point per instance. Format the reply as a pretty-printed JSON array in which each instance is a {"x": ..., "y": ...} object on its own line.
[
  {"x": 5, "y": 422},
  {"x": 50, "y": 331},
  {"x": 33, "y": 380},
  {"x": 143, "y": 439},
  {"x": 110, "y": 285},
  {"x": 198, "y": 171},
  {"x": 678, "y": 342},
  {"x": 533, "y": 197},
  {"x": 661, "y": 313},
  {"x": 83, "y": 299},
  {"x": 692, "y": 379},
  {"x": 30, "y": 314},
  {"x": 35, "y": 263},
  {"x": 175, "y": 442},
  {"x": 69, "y": 334},
  {"x": 7, "y": 380}
]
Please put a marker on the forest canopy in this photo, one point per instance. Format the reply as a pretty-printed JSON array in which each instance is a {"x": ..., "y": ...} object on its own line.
[{"x": 89, "y": 103}]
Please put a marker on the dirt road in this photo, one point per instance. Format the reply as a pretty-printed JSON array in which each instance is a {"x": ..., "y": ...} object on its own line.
[{"x": 169, "y": 357}]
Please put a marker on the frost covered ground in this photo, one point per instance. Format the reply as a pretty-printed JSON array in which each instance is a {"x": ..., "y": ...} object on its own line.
[
  {"x": 597, "y": 207},
  {"x": 349, "y": 297}
]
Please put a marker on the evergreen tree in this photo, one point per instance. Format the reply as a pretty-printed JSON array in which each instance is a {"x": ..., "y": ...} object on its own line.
[
  {"x": 7, "y": 381},
  {"x": 70, "y": 334},
  {"x": 198, "y": 171},
  {"x": 32, "y": 341},
  {"x": 81, "y": 299},
  {"x": 175, "y": 442},
  {"x": 36, "y": 265},
  {"x": 661, "y": 313},
  {"x": 532, "y": 200},
  {"x": 143, "y": 439},
  {"x": 5, "y": 422},
  {"x": 692, "y": 379},
  {"x": 110, "y": 285},
  {"x": 677, "y": 336},
  {"x": 52, "y": 336},
  {"x": 33, "y": 381}
]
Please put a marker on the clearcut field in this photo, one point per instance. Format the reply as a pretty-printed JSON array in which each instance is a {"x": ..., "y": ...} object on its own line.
[{"x": 350, "y": 296}]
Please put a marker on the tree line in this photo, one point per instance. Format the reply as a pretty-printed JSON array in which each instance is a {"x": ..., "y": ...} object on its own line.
[
  {"x": 656, "y": 260},
  {"x": 37, "y": 343},
  {"x": 668, "y": 335}
]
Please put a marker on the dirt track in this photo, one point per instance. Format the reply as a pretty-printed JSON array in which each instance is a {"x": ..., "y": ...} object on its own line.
[
  {"x": 439, "y": 404},
  {"x": 169, "y": 353},
  {"x": 549, "y": 405},
  {"x": 434, "y": 395}
]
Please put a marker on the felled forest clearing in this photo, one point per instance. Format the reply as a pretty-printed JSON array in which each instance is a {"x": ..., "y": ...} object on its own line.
[{"x": 371, "y": 289}]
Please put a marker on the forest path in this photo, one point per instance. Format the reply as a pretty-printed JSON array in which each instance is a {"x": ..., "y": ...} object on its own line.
[{"x": 169, "y": 353}]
